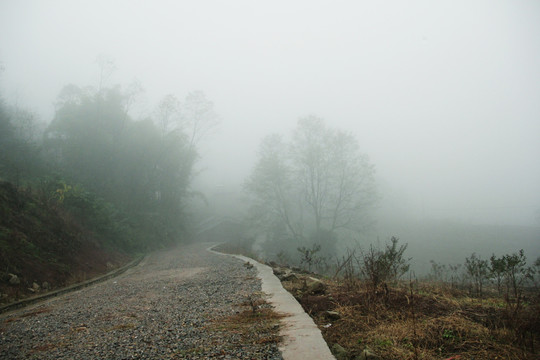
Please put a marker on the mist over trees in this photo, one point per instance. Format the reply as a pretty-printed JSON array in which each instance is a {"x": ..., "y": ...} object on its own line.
[
  {"x": 19, "y": 139},
  {"x": 312, "y": 190},
  {"x": 126, "y": 179}
]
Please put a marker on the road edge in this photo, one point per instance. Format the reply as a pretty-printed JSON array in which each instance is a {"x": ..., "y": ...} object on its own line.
[
  {"x": 302, "y": 339},
  {"x": 38, "y": 298}
]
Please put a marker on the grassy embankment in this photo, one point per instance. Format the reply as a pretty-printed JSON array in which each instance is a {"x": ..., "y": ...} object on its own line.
[
  {"x": 418, "y": 319},
  {"x": 46, "y": 246}
]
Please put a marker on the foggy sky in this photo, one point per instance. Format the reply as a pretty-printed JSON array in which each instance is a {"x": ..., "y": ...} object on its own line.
[{"x": 443, "y": 96}]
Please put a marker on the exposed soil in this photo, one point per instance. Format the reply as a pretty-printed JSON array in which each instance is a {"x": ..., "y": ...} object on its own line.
[{"x": 41, "y": 244}]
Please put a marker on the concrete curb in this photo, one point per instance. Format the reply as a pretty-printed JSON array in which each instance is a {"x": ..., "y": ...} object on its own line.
[
  {"x": 35, "y": 299},
  {"x": 302, "y": 339}
]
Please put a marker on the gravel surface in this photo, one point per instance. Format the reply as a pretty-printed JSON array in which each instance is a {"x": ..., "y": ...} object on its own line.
[{"x": 172, "y": 306}]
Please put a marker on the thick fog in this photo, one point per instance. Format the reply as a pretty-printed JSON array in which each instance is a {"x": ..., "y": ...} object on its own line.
[{"x": 444, "y": 97}]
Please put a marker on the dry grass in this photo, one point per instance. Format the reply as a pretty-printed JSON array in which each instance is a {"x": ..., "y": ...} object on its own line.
[
  {"x": 428, "y": 322},
  {"x": 433, "y": 321},
  {"x": 256, "y": 322},
  {"x": 29, "y": 314},
  {"x": 246, "y": 322},
  {"x": 126, "y": 326}
]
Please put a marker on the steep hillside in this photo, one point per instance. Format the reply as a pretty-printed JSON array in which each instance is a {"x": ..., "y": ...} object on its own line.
[{"x": 42, "y": 246}]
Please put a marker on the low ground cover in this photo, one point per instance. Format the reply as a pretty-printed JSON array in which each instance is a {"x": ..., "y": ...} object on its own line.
[
  {"x": 421, "y": 321},
  {"x": 414, "y": 319},
  {"x": 44, "y": 247}
]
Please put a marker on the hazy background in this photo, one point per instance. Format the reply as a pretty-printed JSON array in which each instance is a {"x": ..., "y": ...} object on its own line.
[{"x": 443, "y": 96}]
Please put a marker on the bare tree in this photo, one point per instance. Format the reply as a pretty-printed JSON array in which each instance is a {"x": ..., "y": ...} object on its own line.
[
  {"x": 337, "y": 180},
  {"x": 478, "y": 270},
  {"x": 106, "y": 68},
  {"x": 168, "y": 113},
  {"x": 199, "y": 116},
  {"x": 132, "y": 95},
  {"x": 272, "y": 186},
  {"x": 319, "y": 182}
]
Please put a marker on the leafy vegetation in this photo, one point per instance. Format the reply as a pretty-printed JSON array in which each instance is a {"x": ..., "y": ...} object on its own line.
[
  {"x": 309, "y": 256},
  {"x": 95, "y": 181},
  {"x": 141, "y": 167},
  {"x": 42, "y": 243},
  {"x": 127, "y": 180},
  {"x": 382, "y": 266}
]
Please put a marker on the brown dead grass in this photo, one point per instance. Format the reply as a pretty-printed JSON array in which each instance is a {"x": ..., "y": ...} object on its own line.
[
  {"x": 256, "y": 322},
  {"x": 427, "y": 323},
  {"x": 436, "y": 321},
  {"x": 36, "y": 312},
  {"x": 28, "y": 314},
  {"x": 119, "y": 327},
  {"x": 248, "y": 320}
]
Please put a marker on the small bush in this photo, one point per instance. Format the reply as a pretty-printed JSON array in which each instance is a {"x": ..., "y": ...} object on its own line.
[
  {"x": 309, "y": 256},
  {"x": 380, "y": 266}
]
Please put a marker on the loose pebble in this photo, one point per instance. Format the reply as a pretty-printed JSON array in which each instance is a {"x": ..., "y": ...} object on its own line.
[{"x": 165, "y": 308}]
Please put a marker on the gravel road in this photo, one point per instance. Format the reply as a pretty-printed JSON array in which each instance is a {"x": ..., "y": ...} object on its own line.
[{"x": 171, "y": 306}]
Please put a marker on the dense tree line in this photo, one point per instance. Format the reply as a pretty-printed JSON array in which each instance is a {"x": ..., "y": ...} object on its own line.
[{"x": 126, "y": 179}]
